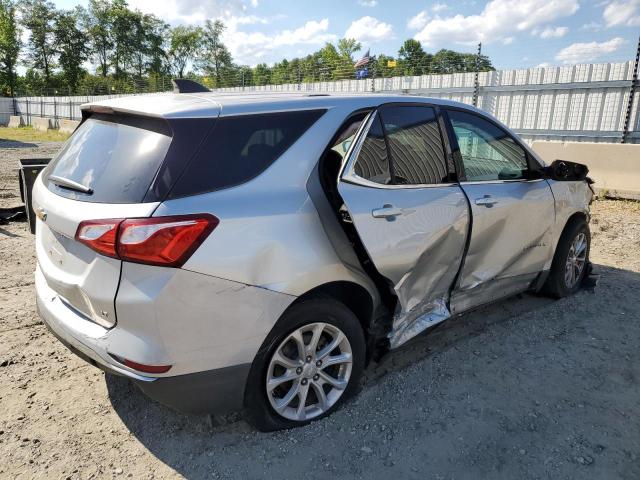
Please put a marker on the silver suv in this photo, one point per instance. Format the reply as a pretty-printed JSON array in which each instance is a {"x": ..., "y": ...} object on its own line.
[{"x": 254, "y": 251}]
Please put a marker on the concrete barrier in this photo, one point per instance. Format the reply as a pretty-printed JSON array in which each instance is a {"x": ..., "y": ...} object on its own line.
[
  {"x": 15, "y": 121},
  {"x": 42, "y": 124},
  {"x": 615, "y": 167},
  {"x": 68, "y": 126}
]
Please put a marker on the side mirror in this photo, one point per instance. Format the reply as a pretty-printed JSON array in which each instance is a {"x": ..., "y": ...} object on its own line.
[{"x": 565, "y": 171}]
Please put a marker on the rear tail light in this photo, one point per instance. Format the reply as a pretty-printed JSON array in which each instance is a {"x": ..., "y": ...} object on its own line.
[{"x": 163, "y": 241}]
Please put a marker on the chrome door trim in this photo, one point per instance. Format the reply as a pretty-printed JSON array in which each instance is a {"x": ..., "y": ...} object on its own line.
[{"x": 493, "y": 182}]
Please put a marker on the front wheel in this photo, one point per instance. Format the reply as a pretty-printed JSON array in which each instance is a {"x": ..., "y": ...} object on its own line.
[
  {"x": 570, "y": 261},
  {"x": 307, "y": 367}
]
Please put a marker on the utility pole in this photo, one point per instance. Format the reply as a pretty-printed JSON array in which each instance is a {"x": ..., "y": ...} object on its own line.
[
  {"x": 632, "y": 91},
  {"x": 476, "y": 80}
]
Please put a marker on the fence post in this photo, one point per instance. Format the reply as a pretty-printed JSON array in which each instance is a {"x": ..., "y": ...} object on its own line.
[
  {"x": 632, "y": 91},
  {"x": 55, "y": 109},
  {"x": 70, "y": 108},
  {"x": 476, "y": 80},
  {"x": 28, "y": 112}
]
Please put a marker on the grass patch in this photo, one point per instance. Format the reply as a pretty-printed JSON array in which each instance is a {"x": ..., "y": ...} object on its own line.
[{"x": 30, "y": 134}]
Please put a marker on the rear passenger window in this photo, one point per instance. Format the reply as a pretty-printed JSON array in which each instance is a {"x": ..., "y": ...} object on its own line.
[
  {"x": 373, "y": 161},
  {"x": 415, "y": 145},
  {"x": 240, "y": 148}
]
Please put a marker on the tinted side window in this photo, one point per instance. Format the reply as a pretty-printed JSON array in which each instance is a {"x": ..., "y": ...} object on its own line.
[
  {"x": 373, "y": 162},
  {"x": 415, "y": 143},
  {"x": 240, "y": 148},
  {"x": 488, "y": 152}
]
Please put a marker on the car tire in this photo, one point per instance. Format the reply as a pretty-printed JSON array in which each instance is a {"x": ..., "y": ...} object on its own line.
[
  {"x": 561, "y": 282},
  {"x": 309, "y": 378}
]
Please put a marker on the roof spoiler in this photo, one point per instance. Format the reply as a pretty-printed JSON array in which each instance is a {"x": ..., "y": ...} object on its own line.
[{"x": 182, "y": 85}]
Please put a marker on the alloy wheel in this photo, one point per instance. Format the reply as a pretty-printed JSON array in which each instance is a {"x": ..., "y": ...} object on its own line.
[
  {"x": 576, "y": 260},
  {"x": 309, "y": 371}
]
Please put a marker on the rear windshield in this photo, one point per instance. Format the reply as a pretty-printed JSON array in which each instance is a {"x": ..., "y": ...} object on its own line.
[
  {"x": 116, "y": 157},
  {"x": 240, "y": 148}
]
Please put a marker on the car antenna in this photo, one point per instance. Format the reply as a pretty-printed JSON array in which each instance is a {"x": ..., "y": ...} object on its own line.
[{"x": 183, "y": 85}]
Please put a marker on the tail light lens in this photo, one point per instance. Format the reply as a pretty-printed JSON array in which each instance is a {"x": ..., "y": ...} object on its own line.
[
  {"x": 100, "y": 235},
  {"x": 163, "y": 241}
]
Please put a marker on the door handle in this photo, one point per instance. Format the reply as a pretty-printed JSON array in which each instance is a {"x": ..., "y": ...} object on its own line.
[
  {"x": 387, "y": 211},
  {"x": 487, "y": 201}
]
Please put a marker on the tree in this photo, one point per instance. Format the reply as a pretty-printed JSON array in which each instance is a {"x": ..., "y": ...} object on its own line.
[
  {"x": 185, "y": 43},
  {"x": 38, "y": 17},
  {"x": 413, "y": 59},
  {"x": 97, "y": 24},
  {"x": 9, "y": 46},
  {"x": 71, "y": 45},
  {"x": 125, "y": 34},
  {"x": 155, "y": 43},
  {"x": 347, "y": 47},
  {"x": 214, "y": 58}
]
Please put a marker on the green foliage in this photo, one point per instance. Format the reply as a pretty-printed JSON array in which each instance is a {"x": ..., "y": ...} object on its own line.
[
  {"x": 38, "y": 16},
  {"x": 71, "y": 47},
  {"x": 9, "y": 47},
  {"x": 214, "y": 58},
  {"x": 135, "y": 52},
  {"x": 184, "y": 44}
]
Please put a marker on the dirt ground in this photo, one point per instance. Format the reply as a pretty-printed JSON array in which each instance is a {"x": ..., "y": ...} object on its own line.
[{"x": 527, "y": 388}]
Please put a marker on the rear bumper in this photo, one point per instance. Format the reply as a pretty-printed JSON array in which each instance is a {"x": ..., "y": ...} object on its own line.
[{"x": 210, "y": 345}]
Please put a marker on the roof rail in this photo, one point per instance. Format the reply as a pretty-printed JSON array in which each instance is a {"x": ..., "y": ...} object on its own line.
[{"x": 182, "y": 85}]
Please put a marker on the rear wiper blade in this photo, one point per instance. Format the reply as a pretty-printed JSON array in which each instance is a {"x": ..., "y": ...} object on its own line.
[{"x": 70, "y": 184}]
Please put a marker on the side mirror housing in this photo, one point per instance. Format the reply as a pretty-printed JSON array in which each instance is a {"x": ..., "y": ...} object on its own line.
[{"x": 566, "y": 171}]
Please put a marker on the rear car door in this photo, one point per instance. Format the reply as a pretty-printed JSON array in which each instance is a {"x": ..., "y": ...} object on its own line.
[
  {"x": 512, "y": 212},
  {"x": 410, "y": 215}
]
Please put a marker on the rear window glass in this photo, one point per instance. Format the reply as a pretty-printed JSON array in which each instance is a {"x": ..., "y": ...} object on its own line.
[
  {"x": 116, "y": 161},
  {"x": 240, "y": 148}
]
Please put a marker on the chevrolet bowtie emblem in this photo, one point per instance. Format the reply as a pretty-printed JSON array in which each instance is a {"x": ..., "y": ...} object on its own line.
[{"x": 41, "y": 214}]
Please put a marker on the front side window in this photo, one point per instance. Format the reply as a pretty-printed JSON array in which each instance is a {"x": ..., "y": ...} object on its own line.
[
  {"x": 415, "y": 144},
  {"x": 373, "y": 160},
  {"x": 488, "y": 152}
]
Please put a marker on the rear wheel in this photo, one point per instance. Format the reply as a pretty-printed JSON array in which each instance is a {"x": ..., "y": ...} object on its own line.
[
  {"x": 570, "y": 260},
  {"x": 307, "y": 367}
]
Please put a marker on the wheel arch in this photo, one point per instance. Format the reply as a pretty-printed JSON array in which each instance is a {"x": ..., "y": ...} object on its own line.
[{"x": 354, "y": 296}]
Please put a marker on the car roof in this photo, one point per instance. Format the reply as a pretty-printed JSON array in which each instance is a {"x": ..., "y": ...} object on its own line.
[{"x": 212, "y": 104}]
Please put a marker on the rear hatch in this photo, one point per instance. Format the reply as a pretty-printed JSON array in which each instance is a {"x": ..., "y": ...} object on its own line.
[{"x": 105, "y": 170}]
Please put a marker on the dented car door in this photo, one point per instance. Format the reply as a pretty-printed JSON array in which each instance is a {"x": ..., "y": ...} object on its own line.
[
  {"x": 513, "y": 213},
  {"x": 410, "y": 215}
]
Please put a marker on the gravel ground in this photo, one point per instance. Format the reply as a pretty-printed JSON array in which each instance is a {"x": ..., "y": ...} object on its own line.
[{"x": 527, "y": 388}]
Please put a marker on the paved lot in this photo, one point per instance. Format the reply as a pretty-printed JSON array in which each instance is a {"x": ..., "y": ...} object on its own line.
[{"x": 527, "y": 388}]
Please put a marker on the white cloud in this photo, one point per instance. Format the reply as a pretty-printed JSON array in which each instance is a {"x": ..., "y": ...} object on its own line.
[
  {"x": 498, "y": 20},
  {"x": 369, "y": 29},
  {"x": 368, "y": 3},
  {"x": 588, "y": 52},
  {"x": 419, "y": 21},
  {"x": 550, "y": 32},
  {"x": 591, "y": 26},
  {"x": 622, "y": 13},
  {"x": 190, "y": 11},
  {"x": 256, "y": 47},
  {"x": 439, "y": 7}
]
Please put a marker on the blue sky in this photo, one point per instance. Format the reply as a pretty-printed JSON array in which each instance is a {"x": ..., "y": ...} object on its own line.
[{"x": 515, "y": 33}]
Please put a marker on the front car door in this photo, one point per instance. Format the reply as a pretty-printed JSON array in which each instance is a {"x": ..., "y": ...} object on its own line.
[
  {"x": 512, "y": 212},
  {"x": 410, "y": 215}
]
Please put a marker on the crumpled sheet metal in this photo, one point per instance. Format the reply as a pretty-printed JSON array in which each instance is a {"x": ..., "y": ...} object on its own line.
[{"x": 425, "y": 315}]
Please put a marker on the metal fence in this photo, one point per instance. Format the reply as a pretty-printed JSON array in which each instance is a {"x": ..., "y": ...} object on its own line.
[{"x": 594, "y": 102}]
